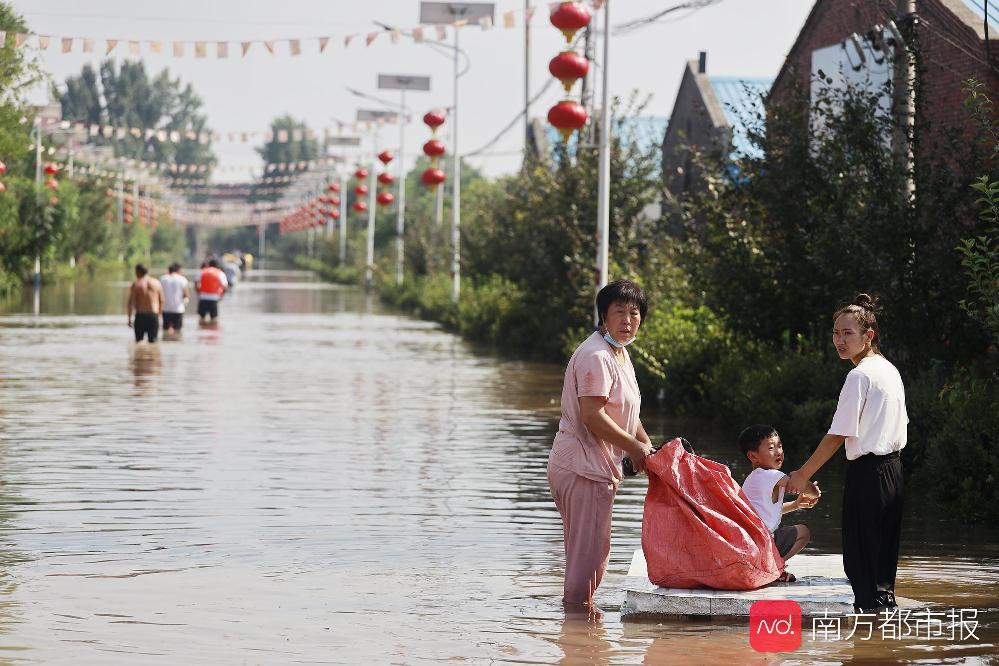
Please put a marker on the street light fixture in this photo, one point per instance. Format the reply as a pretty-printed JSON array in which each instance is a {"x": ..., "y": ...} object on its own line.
[
  {"x": 402, "y": 83},
  {"x": 448, "y": 13}
]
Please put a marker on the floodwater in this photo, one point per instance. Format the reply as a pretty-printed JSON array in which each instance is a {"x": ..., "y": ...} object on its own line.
[{"x": 322, "y": 481}]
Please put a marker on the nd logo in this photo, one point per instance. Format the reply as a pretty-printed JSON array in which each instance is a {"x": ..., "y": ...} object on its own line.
[{"x": 775, "y": 626}]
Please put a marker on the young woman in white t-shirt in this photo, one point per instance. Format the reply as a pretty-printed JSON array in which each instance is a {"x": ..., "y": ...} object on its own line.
[{"x": 871, "y": 420}]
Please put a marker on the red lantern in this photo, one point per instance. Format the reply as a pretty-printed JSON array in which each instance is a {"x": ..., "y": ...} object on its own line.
[
  {"x": 335, "y": 201},
  {"x": 52, "y": 184},
  {"x": 385, "y": 198},
  {"x": 335, "y": 214},
  {"x": 51, "y": 169},
  {"x": 434, "y": 119},
  {"x": 3, "y": 168},
  {"x": 567, "y": 116},
  {"x": 568, "y": 67},
  {"x": 386, "y": 178},
  {"x": 361, "y": 174},
  {"x": 386, "y": 156},
  {"x": 361, "y": 190},
  {"x": 433, "y": 148},
  {"x": 570, "y": 17},
  {"x": 3, "y": 188},
  {"x": 432, "y": 177},
  {"x": 334, "y": 187},
  {"x": 360, "y": 206},
  {"x": 53, "y": 201},
  {"x": 128, "y": 218}
]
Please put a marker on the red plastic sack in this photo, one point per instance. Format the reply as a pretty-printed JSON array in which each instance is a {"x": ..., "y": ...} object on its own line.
[{"x": 699, "y": 530}]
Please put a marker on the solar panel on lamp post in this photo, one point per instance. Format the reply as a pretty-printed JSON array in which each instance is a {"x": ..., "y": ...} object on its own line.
[
  {"x": 402, "y": 83},
  {"x": 448, "y": 13}
]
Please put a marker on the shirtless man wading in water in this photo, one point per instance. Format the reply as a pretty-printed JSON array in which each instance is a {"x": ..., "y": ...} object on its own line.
[{"x": 145, "y": 299}]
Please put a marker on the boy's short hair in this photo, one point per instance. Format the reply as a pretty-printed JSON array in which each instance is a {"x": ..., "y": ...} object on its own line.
[
  {"x": 750, "y": 438},
  {"x": 141, "y": 270},
  {"x": 174, "y": 267}
]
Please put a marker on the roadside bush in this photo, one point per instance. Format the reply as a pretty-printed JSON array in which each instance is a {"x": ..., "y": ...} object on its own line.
[
  {"x": 427, "y": 297},
  {"x": 677, "y": 345},
  {"x": 492, "y": 310},
  {"x": 952, "y": 441}
]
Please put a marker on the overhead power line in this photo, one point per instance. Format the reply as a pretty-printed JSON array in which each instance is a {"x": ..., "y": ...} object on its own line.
[{"x": 637, "y": 24}]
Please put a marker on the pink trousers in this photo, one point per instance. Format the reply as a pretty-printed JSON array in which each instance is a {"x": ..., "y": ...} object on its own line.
[{"x": 585, "y": 506}]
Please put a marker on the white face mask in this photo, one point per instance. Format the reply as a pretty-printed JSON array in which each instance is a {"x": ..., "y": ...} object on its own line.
[{"x": 615, "y": 343}]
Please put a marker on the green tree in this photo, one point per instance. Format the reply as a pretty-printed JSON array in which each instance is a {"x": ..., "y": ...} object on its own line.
[
  {"x": 126, "y": 96},
  {"x": 821, "y": 215},
  {"x": 537, "y": 230}
]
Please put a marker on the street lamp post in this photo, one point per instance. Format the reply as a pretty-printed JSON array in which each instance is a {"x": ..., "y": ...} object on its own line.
[
  {"x": 344, "y": 142},
  {"x": 376, "y": 116},
  {"x": 343, "y": 219},
  {"x": 402, "y": 83},
  {"x": 38, "y": 182},
  {"x": 603, "y": 173},
  {"x": 449, "y": 13}
]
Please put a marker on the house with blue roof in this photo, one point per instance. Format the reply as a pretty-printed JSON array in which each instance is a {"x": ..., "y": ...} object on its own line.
[{"x": 711, "y": 114}]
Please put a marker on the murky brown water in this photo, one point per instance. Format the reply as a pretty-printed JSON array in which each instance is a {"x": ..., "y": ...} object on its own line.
[{"x": 320, "y": 481}]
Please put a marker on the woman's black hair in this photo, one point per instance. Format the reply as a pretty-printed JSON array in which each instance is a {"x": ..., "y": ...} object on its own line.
[
  {"x": 865, "y": 309},
  {"x": 624, "y": 291}
]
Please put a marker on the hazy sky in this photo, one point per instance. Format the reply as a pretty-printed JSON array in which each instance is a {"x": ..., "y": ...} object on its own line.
[{"x": 742, "y": 37}]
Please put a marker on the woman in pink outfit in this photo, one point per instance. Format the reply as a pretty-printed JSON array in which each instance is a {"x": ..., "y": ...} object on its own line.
[{"x": 598, "y": 427}]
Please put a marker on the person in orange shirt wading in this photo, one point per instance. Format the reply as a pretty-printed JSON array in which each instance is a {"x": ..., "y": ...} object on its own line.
[{"x": 212, "y": 284}]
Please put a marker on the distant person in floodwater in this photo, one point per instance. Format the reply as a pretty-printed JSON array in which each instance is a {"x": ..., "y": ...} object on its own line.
[
  {"x": 212, "y": 285},
  {"x": 176, "y": 294},
  {"x": 145, "y": 300},
  {"x": 599, "y": 425}
]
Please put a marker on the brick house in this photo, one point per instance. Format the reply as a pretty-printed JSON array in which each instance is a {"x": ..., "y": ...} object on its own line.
[{"x": 857, "y": 34}]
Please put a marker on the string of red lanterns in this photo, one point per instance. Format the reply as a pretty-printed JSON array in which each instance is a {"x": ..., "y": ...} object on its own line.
[
  {"x": 3, "y": 170},
  {"x": 385, "y": 198},
  {"x": 360, "y": 206},
  {"x": 434, "y": 149},
  {"x": 568, "y": 67}
]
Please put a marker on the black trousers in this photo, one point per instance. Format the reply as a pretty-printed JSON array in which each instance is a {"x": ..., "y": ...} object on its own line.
[{"x": 872, "y": 526}]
